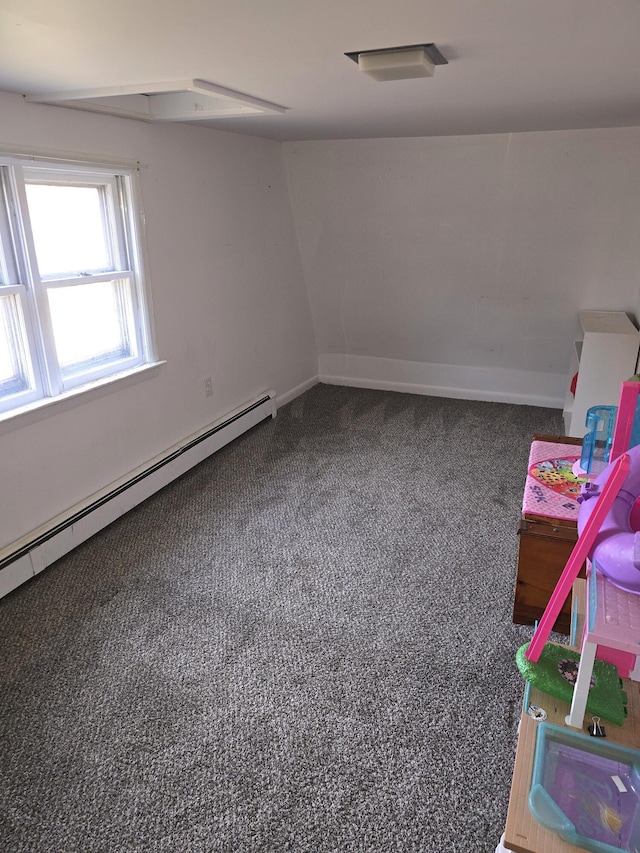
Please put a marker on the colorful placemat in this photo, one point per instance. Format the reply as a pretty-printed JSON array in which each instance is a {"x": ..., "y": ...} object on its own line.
[{"x": 551, "y": 488}]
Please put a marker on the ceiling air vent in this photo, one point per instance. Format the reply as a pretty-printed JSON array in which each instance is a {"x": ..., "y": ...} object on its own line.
[{"x": 399, "y": 63}]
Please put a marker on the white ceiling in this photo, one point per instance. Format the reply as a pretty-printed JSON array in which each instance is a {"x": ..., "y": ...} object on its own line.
[{"x": 514, "y": 65}]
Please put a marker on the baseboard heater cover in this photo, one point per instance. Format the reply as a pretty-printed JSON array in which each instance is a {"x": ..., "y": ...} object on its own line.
[{"x": 44, "y": 546}]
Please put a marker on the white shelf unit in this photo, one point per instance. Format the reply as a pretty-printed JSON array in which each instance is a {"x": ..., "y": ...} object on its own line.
[{"x": 604, "y": 355}]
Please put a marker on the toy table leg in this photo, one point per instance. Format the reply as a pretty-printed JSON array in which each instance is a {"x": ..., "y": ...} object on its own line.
[{"x": 581, "y": 688}]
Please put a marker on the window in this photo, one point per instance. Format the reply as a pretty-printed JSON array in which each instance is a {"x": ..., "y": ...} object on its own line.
[{"x": 72, "y": 307}]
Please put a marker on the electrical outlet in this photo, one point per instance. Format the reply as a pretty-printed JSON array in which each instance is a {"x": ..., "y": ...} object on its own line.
[{"x": 208, "y": 386}]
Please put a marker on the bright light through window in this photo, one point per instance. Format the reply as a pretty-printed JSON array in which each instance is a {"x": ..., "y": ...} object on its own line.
[
  {"x": 7, "y": 361},
  {"x": 14, "y": 372},
  {"x": 7, "y": 341},
  {"x": 68, "y": 226},
  {"x": 90, "y": 322}
]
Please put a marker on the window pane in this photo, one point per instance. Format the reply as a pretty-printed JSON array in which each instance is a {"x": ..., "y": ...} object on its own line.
[
  {"x": 69, "y": 228},
  {"x": 14, "y": 371},
  {"x": 8, "y": 269},
  {"x": 92, "y": 325}
]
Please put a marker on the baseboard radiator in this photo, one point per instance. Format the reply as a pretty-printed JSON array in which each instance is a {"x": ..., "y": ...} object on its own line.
[{"x": 33, "y": 553}]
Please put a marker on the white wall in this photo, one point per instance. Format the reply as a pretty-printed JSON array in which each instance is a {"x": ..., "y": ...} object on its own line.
[
  {"x": 448, "y": 265},
  {"x": 228, "y": 301},
  {"x": 457, "y": 265}
]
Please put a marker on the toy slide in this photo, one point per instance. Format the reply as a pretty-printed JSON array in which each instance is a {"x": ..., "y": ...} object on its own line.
[{"x": 586, "y": 540}]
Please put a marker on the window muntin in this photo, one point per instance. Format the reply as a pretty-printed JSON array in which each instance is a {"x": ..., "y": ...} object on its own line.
[{"x": 72, "y": 307}]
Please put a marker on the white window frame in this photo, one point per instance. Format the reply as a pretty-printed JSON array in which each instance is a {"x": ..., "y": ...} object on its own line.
[{"x": 20, "y": 277}]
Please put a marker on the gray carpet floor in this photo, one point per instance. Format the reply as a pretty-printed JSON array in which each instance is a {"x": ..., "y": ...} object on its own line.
[{"x": 304, "y": 644}]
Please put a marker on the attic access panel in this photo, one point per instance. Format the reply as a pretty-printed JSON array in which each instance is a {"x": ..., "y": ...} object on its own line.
[{"x": 184, "y": 100}]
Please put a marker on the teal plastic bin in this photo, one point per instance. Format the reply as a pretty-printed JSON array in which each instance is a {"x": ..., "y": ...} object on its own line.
[{"x": 586, "y": 790}]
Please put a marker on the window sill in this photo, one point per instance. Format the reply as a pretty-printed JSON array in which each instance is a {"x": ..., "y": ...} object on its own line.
[{"x": 44, "y": 408}]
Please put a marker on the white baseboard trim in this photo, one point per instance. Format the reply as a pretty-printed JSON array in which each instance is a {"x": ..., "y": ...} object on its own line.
[
  {"x": 497, "y": 385},
  {"x": 288, "y": 396},
  {"x": 25, "y": 558}
]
